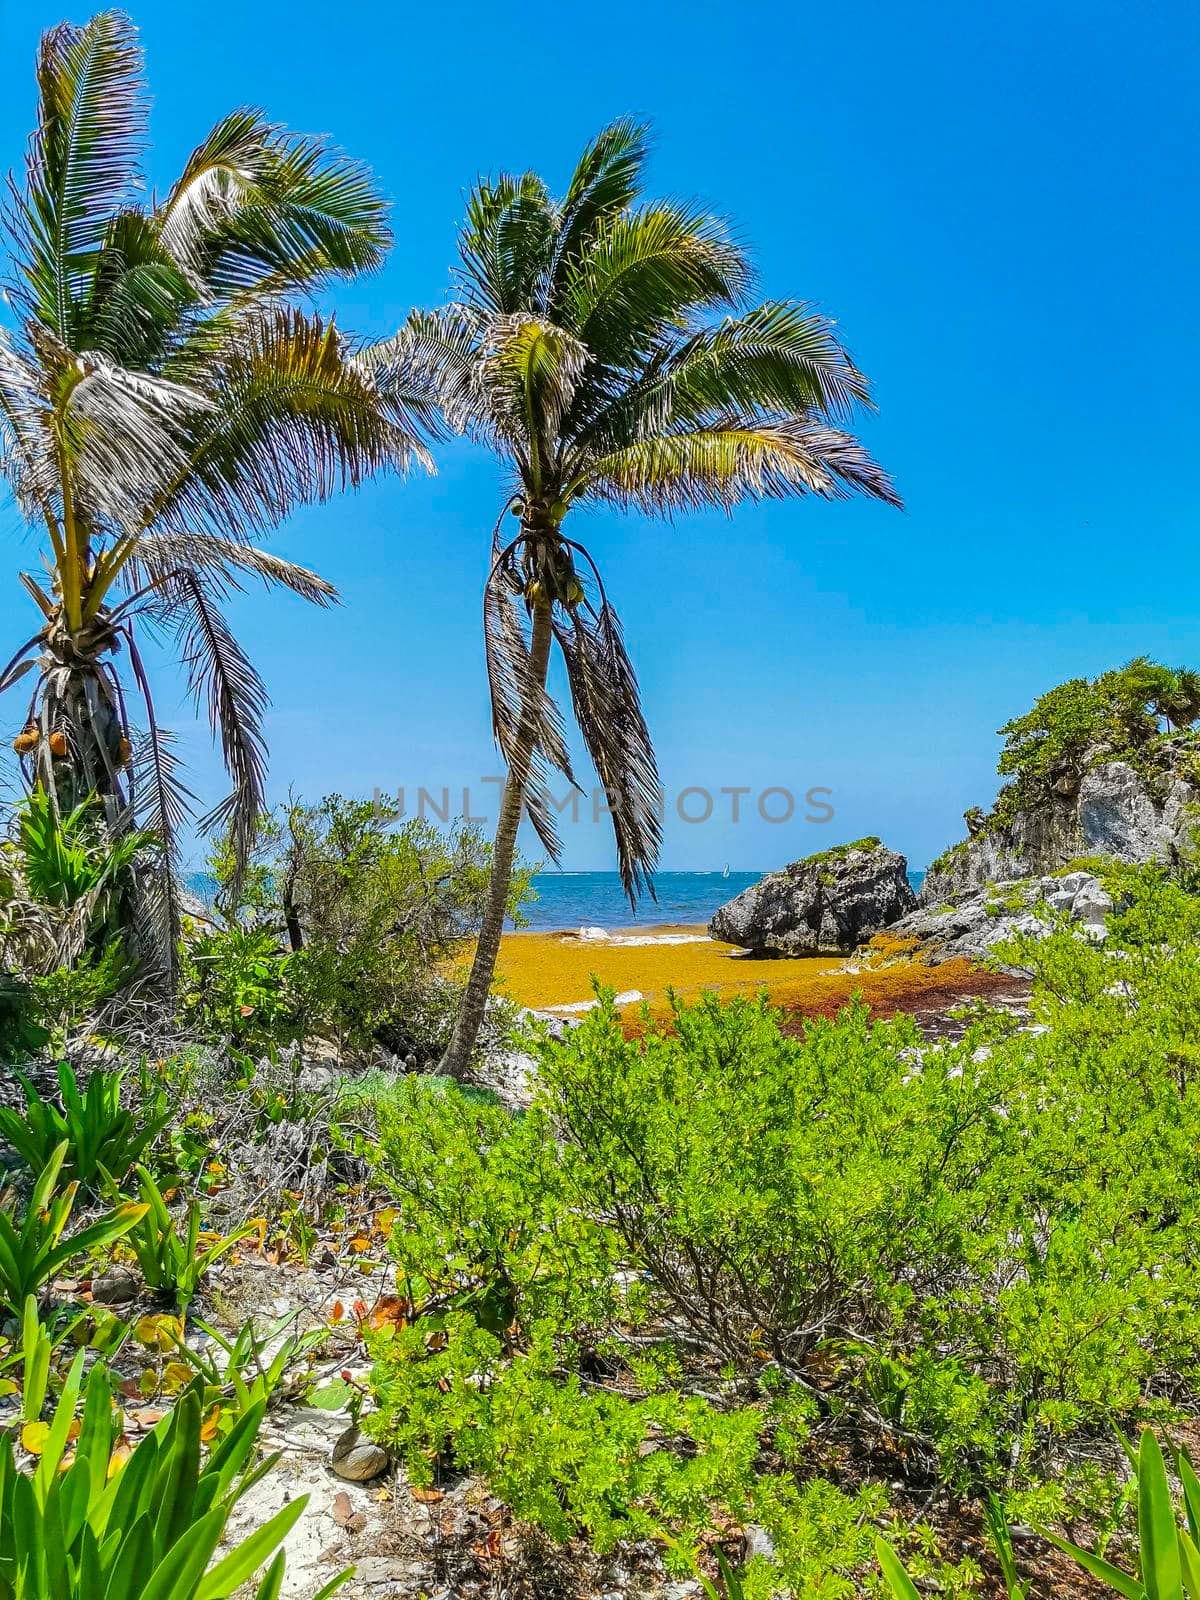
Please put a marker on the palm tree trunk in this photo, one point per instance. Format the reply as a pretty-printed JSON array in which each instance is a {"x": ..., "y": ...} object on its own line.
[{"x": 457, "y": 1060}]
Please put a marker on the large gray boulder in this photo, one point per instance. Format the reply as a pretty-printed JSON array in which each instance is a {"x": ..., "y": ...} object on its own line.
[
  {"x": 1106, "y": 810},
  {"x": 826, "y": 903}
]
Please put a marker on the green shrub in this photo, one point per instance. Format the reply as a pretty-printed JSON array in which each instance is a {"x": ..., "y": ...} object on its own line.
[
  {"x": 235, "y": 992},
  {"x": 966, "y": 1247},
  {"x": 1167, "y": 1552},
  {"x": 101, "y": 1136},
  {"x": 357, "y": 911},
  {"x": 1120, "y": 714},
  {"x": 563, "y": 1454},
  {"x": 22, "y": 1034}
]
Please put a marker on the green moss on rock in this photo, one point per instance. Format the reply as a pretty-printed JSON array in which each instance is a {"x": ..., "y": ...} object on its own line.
[{"x": 839, "y": 852}]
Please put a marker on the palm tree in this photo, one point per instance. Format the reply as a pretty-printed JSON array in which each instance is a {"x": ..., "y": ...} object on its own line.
[
  {"x": 163, "y": 400},
  {"x": 583, "y": 347},
  {"x": 1180, "y": 704}
]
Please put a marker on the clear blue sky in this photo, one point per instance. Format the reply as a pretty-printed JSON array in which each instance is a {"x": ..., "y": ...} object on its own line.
[{"x": 999, "y": 205}]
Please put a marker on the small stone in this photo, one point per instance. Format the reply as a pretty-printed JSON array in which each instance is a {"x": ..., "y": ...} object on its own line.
[
  {"x": 759, "y": 1542},
  {"x": 115, "y": 1286},
  {"x": 357, "y": 1457}
]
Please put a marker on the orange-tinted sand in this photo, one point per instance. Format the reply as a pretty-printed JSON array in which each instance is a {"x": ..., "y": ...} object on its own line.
[{"x": 545, "y": 970}]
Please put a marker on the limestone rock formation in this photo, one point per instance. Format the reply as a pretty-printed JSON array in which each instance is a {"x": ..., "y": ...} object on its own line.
[
  {"x": 1107, "y": 809},
  {"x": 973, "y": 922}
]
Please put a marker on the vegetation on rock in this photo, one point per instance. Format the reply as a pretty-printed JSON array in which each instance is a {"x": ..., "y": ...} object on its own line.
[{"x": 1132, "y": 713}]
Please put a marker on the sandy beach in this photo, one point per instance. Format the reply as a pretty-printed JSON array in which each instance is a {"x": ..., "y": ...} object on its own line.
[{"x": 555, "y": 971}]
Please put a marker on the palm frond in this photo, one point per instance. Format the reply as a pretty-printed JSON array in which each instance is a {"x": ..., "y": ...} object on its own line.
[
  {"x": 646, "y": 269},
  {"x": 781, "y": 358},
  {"x": 256, "y": 208},
  {"x": 739, "y": 458},
  {"x": 166, "y": 803},
  {"x": 122, "y": 432},
  {"x": 157, "y": 791},
  {"x": 83, "y": 160},
  {"x": 607, "y": 180},
  {"x": 138, "y": 297},
  {"x": 297, "y": 421},
  {"x": 529, "y": 375},
  {"x": 27, "y": 458},
  {"x": 607, "y": 706},
  {"x": 513, "y": 690},
  {"x": 226, "y": 561},
  {"x": 425, "y": 374},
  {"x": 506, "y": 244},
  {"x": 223, "y": 680}
]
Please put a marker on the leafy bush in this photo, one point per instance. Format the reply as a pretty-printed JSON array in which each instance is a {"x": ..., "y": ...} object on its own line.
[
  {"x": 961, "y": 1252},
  {"x": 22, "y": 1034},
  {"x": 66, "y": 996},
  {"x": 32, "y": 1247},
  {"x": 1167, "y": 1550},
  {"x": 100, "y": 1135},
  {"x": 148, "y": 1525},
  {"x": 356, "y": 912},
  {"x": 235, "y": 991}
]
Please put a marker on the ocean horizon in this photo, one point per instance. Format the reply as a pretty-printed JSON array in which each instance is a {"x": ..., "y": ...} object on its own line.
[{"x": 596, "y": 899}]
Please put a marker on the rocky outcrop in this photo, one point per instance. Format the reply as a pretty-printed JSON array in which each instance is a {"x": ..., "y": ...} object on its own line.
[
  {"x": 973, "y": 922},
  {"x": 826, "y": 903},
  {"x": 1108, "y": 809}
]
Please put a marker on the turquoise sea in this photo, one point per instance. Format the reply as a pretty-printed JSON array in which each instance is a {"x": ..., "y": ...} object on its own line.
[{"x": 596, "y": 899}]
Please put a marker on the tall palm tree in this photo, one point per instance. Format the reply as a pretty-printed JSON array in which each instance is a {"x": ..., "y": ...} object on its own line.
[
  {"x": 163, "y": 400},
  {"x": 583, "y": 346}
]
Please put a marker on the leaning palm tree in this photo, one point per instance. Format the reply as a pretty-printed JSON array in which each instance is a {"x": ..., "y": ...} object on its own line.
[
  {"x": 583, "y": 345},
  {"x": 164, "y": 400}
]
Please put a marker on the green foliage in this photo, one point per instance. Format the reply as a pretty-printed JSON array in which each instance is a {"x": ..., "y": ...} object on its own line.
[
  {"x": 32, "y": 1246},
  {"x": 839, "y": 1230},
  {"x": 235, "y": 991},
  {"x": 148, "y": 1527},
  {"x": 945, "y": 862},
  {"x": 67, "y": 858},
  {"x": 67, "y": 995},
  {"x": 21, "y": 1033},
  {"x": 1119, "y": 713},
  {"x": 250, "y": 1368},
  {"x": 31, "y": 1362},
  {"x": 82, "y": 872},
  {"x": 1167, "y": 1554},
  {"x": 101, "y": 1136},
  {"x": 839, "y": 852},
  {"x": 173, "y": 1253},
  {"x": 354, "y": 911},
  {"x": 563, "y": 1454}
]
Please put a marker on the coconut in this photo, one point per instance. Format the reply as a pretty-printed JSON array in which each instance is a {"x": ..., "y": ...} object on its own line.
[
  {"x": 58, "y": 743},
  {"x": 26, "y": 741}
]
